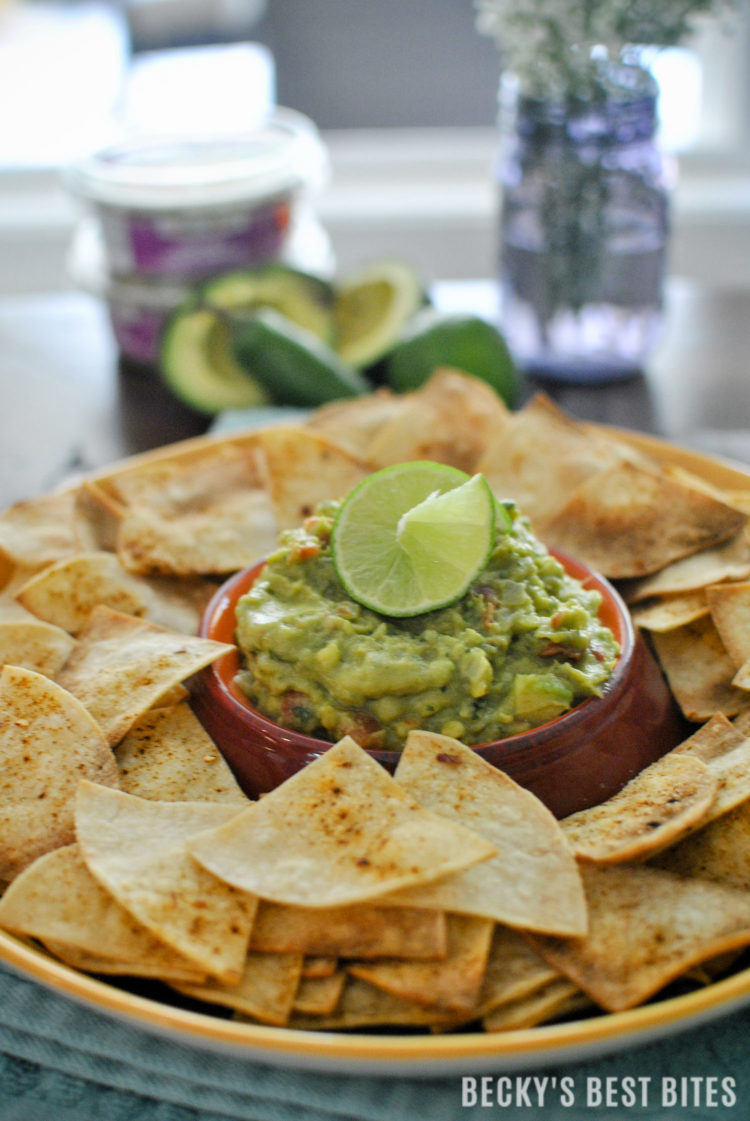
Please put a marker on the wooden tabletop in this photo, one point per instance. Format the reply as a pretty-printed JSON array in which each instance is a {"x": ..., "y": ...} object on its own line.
[{"x": 68, "y": 405}]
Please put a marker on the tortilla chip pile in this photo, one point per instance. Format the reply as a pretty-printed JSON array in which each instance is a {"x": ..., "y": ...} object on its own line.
[{"x": 441, "y": 897}]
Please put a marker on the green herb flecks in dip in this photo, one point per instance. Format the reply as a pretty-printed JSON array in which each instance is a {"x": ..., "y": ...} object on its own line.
[{"x": 522, "y": 646}]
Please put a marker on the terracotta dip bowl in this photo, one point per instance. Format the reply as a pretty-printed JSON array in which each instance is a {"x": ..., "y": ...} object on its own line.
[{"x": 574, "y": 761}]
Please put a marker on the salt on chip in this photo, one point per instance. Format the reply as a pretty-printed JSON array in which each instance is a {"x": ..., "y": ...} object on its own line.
[
  {"x": 699, "y": 670},
  {"x": 66, "y": 593},
  {"x": 339, "y": 831},
  {"x": 631, "y": 520},
  {"x": 265, "y": 991},
  {"x": 361, "y": 930},
  {"x": 34, "y": 645},
  {"x": 300, "y": 468},
  {"x": 533, "y": 881},
  {"x": 58, "y": 901},
  {"x": 662, "y": 803},
  {"x": 137, "y": 850},
  {"x": 48, "y": 741},
  {"x": 451, "y": 984},
  {"x": 122, "y": 665},
  {"x": 646, "y": 927},
  {"x": 168, "y": 756}
]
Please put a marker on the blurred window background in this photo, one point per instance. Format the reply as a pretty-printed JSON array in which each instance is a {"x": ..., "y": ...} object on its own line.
[{"x": 403, "y": 90}]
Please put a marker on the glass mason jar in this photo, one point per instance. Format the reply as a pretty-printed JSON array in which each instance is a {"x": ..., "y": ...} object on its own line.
[{"x": 584, "y": 229}]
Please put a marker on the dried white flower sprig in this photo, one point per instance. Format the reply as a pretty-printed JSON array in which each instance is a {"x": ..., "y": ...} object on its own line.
[{"x": 557, "y": 48}]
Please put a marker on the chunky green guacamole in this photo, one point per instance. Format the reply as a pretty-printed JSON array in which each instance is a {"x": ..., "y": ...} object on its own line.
[{"x": 521, "y": 647}]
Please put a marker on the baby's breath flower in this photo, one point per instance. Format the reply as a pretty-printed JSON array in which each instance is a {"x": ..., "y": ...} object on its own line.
[{"x": 557, "y": 48}]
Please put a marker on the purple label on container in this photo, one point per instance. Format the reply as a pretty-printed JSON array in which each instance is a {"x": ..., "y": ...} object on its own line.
[
  {"x": 137, "y": 332},
  {"x": 201, "y": 245}
]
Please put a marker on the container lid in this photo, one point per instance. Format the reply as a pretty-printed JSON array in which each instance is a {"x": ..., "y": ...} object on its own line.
[{"x": 165, "y": 172}]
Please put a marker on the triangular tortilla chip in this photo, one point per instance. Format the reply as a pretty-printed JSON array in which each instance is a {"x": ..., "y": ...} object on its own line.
[
  {"x": 58, "y": 901},
  {"x": 631, "y": 520},
  {"x": 319, "y": 996},
  {"x": 533, "y": 881},
  {"x": 34, "y": 645},
  {"x": 699, "y": 671},
  {"x": 363, "y": 1005},
  {"x": 168, "y": 756},
  {"x": 353, "y": 422},
  {"x": 647, "y": 927},
  {"x": 657, "y": 807},
  {"x": 359, "y": 931},
  {"x": 39, "y": 531},
  {"x": 451, "y": 984},
  {"x": 557, "y": 998},
  {"x": 730, "y": 611},
  {"x": 201, "y": 510},
  {"x": 450, "y": 419},
  {"x": 265, "y": 992},
  {"x": 728, "y": 561},
  {"x": 726, "y": 752},
  {"x": 668, "y": 612},
  {"x": 339, "y": 831},
  {"x": 137, "y": 850},
  {"x": 541, "y": 455},
  {"x": 299, "y": 469},
  {"x": 123, "y": 665},
  {"x": 719, "y": 852},
  {"x": 66, "y": 593},
  {"x": 48, "y": 741}
]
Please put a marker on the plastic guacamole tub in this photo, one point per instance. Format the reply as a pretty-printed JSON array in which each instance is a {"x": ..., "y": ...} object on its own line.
[{"x": 168, "y": 212}]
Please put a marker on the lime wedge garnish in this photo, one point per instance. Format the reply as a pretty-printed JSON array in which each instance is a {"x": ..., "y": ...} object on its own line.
[{"x": 413, "y": 537}]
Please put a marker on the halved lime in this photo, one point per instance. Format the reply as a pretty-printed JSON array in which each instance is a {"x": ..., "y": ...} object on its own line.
[
  {"x": 371, "y": 307},
  {"x": 413, "y": 537}
]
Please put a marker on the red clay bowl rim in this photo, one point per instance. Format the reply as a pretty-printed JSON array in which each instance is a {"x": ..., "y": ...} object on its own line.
[{"x": 219, "y": 676}]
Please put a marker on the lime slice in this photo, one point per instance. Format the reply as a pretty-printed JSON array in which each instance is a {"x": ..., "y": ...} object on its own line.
[
  {"x": 413, "y": 537},
  {"x": 371, "y": 308}
]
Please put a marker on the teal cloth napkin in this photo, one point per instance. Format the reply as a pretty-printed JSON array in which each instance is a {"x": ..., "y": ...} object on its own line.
[{"x": 61, "y": 1061}]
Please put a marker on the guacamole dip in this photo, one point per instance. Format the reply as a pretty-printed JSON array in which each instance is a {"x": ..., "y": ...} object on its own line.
[{"x": 523, "y": 645}]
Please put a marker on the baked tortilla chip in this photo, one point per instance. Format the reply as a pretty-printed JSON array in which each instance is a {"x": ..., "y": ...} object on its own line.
[
  {"x": 533, "y": 881},
  {"x": 48, "y": 741},
  {"x": 699, "y": 671},
  {"x": 265, "y": 992},
  {"x": 657, "y": 807},
  {"x": 363, "y": 1005},
  {"x": 726, "y": 752},
  {"x": 353, "y": 422},
  {"x": 58, "y": 901},
  {"x": 199, "y": 511},
  {"x": 668, "y": 612},
  {"x": 647, "y": 927},
  {"x": 631, "y": 520},
  {"x": 34, "y": 645},
  {"x": 728, "y": 561},
  {"x": 339, "y": 831},
  {"x": 66, "y": 593},
  {"x": 719, "y": 852},
  {"x": 319, "y": 996},
  {"x": 97, "y": 517},
  {"x": 730, "y": 611},
  {"x": 123, "y": 665},
  {"x": 451, "y": 984},
  {"x": 299, "y": 469},
  {"x": 450, "y": 419},
  {"x": 137, "y": 851},
  {"x": 359, "y": 931},
  {"x": 540, "y": 456},
  {"x": 38, "y": 531},
  {"x": 168, "y": 756},
  {"x": 557, "y": 998}
]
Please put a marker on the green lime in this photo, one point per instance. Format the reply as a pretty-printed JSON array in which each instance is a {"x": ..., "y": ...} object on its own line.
[
  {"x": 371, "y": 307},
  {"x": 412, "y": 537},
  {"x": 464, "y": 342}
]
